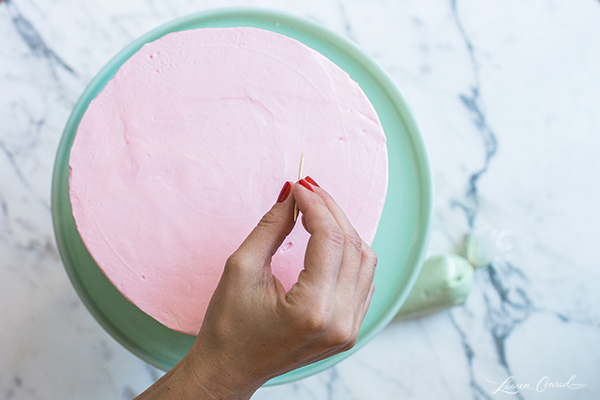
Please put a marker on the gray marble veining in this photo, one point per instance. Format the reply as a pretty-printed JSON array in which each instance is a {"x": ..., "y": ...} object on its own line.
[{"x": 506, "y": 94}]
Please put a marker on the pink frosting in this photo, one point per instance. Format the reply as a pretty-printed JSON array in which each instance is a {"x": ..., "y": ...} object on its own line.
[{"x": 188, "y": 146}]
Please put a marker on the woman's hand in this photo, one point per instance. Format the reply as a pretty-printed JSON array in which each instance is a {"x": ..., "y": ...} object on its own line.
[{"x": 253, "y": 330}]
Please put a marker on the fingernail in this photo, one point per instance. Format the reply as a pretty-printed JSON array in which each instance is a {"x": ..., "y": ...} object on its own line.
[
  {"x": 285, "y": 192},
  {"x": 306, "y": 185},
  {"x": 312, "y": 181}
]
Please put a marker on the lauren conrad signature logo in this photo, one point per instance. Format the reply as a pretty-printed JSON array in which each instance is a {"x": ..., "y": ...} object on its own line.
[{"x": 511, "y": 387}]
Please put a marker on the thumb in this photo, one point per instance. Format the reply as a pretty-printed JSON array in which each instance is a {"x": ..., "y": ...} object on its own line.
[{"x": 271, "y": 231}]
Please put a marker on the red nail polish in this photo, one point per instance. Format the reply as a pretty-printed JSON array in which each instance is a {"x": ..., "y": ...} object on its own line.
[
  {"x": 312, "y": 181},
  {"x": 285, "y": 192},
  {"x": 306, "y": 185}
]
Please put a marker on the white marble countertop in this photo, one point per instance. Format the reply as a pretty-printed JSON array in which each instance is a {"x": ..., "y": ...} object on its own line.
[{"x": 507, "y": 94}]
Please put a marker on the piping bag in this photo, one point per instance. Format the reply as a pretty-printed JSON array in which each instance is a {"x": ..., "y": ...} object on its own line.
[{"x": 446, "y": 280}]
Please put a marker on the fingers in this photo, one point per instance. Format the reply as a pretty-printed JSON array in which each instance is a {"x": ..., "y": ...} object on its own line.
[
  {"x": 271, "y": 231},
  {"x": 353, "y": 247},
  {"x": 365, "y": 285},
  {"x": 326, "y": 244},
  {"x": 338, "y": 266},
  {"x": 332, "y": 233},
  {"x": 359, "y": 260}
]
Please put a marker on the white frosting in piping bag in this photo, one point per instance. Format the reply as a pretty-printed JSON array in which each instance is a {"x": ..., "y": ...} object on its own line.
[{"x": 181, "y": 154}]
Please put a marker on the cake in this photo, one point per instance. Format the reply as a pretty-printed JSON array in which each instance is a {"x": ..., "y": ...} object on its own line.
[{"x": 186, "y": 148}]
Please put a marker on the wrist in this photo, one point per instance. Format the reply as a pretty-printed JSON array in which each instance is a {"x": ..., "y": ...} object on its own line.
[{"x": 209, "y": 378}]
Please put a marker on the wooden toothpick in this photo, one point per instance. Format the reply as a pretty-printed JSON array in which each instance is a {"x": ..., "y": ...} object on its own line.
[{"x": 299, "y": 177}]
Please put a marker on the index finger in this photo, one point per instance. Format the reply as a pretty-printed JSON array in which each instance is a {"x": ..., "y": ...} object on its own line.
[
  {"x": 352, "y": 236},
  {"x": 325, "y": 246}
]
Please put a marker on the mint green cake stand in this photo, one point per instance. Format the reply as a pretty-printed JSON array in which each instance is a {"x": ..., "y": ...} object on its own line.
[{"x": 401, "y": 239}]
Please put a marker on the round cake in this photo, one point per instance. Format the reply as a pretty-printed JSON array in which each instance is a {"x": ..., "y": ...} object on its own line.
[{"x": 187, "y": 147}]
